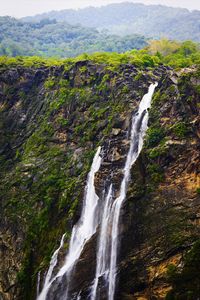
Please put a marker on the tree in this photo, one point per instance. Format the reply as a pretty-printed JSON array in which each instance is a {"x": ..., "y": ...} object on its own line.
[{"x": 164, "y": 47}]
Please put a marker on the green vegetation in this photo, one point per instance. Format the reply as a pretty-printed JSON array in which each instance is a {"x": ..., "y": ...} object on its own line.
[
  {"x": 76, "y": 104},
  {"x": 28, "y": 62},
  {"x": 158, "y": 151},
  {"x": 182, "y": 55},
  {"x": 49, "y": 38},
  {"x": 176, "y": 54},
  {"x": 163, "y": 47},
  {"x": 180, "y": 129},
  {"x": 154, "y": 136}
]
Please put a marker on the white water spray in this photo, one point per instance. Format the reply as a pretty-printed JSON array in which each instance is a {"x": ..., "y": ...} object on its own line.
[
  {"x": 53, "y": 262},
  {"x": 138, "y": 130},
  {"x": 102, "y": 255},
  {"x": 38, "y": 284},
  {"x": 82, "y": 231},
  {"x": 109, "y": 248}
]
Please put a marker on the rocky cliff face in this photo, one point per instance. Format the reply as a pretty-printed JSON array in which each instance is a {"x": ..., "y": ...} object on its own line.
[{"x": 51, "y": 121}]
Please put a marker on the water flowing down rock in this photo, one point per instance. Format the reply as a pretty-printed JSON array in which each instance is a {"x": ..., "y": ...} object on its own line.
[
  {"x": 108, "y": 249},
  {"x": 53, "y": 263},
  {"x": 138, "y": 130},
  {"x": 81, "y": 232},
  {"x": 103, "y": 258}
]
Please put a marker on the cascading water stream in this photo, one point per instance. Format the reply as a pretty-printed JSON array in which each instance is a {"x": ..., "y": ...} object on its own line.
[
  {"x": 109, "y": 249},
  {"x": 138, "y": 130},
  {"x": 38, "y": 284},
  {"x": 53, "y": 262},
  {"x": 102, "y": 258},
  {"x": 81, "y": 232}
]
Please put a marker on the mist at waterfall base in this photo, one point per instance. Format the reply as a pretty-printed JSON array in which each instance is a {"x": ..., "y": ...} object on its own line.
[{"x": 92, "y": 216}]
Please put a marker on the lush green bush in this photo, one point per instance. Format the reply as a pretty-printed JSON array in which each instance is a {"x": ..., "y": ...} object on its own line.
[
  {"x": 154, "y": 136},
  {"x": 180, "y": 129},
  {"x": 187, "y": 54}
]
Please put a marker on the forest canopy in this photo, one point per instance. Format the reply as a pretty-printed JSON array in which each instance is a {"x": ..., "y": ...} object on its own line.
[
  {"x": 171, "y": 53},
  {"x": 50, "y": 38},
  {"x": 153, "y": 21}
]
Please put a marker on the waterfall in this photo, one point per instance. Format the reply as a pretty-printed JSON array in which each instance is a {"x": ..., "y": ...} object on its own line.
[
  {"x": 102, "y": 255},
  {"x": 112, "y": 210},
  {"x": 138, "y": 130},
  {"x": 108, "y": 219},
  {"x": 38, "y": 284},
  {"x": 53, "y": 262},
  {"x": 82, "y": 231}
]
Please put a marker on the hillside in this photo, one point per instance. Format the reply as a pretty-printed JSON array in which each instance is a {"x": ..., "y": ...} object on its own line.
[
  {"x": 54, "y": 115},
  {"x": 129, "y": 18},
  {"x": 50, "y": 38}
]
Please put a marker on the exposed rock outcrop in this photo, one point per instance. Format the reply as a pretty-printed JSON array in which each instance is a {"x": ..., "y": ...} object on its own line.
[{"x": 51, "y": 121}]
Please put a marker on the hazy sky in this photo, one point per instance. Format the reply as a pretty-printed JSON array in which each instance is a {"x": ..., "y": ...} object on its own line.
[{"x": 19, "y": 8}]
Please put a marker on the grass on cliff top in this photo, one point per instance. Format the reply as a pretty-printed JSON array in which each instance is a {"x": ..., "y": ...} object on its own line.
[
  {"x": 138, "y": 58},
  {"x": 172, "y": 53}
]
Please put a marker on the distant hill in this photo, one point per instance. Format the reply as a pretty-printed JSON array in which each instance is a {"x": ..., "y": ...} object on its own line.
[
  {"x": 131, "y": 18},
  {"x": 52, "y": 38}
]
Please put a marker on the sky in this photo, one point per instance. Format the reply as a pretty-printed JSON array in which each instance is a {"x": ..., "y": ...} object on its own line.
[{"x": 20, "y": 8}]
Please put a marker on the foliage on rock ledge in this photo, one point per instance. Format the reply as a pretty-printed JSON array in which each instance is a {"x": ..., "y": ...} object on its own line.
[{"x": 170, "y": 53}]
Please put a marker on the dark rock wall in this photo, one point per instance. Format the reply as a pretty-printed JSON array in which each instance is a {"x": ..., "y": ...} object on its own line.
[{"x": 51, "y": 121}]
